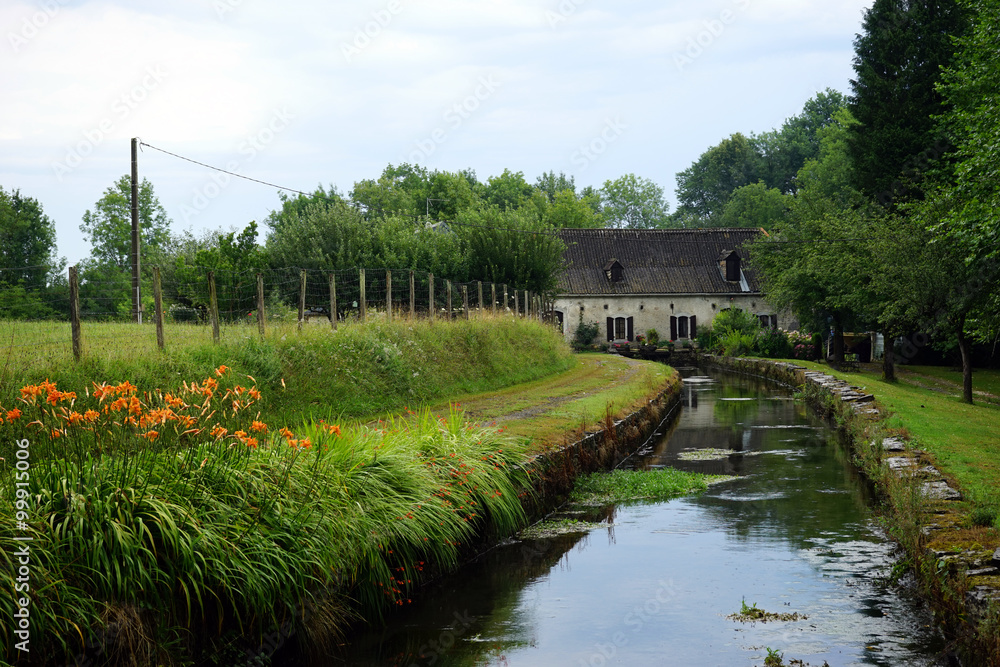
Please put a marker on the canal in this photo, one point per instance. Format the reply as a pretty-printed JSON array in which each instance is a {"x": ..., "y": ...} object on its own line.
[{"x": 658, "y": 583}]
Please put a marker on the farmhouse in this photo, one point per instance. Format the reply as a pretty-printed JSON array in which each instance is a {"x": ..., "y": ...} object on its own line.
[{"x": 672, "y": 280}]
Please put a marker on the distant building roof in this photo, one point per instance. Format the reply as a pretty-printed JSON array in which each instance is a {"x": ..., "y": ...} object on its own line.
[{"x": 656, "y": 261}]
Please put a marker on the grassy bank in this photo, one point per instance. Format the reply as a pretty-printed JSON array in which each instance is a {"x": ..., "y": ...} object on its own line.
[
  {"x": 176, "y": 501},
  {"x": 560, "y": 409},
  {"x": 963, "y": 439},
  {"x": 356, "y": 372}
]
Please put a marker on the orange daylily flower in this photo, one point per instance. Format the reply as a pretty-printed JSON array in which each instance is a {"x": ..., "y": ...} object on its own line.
[
  {"x": 151, "y": 435},
  {"x": 218, "y": 432},
  {"x": 221, "y": 370},
  {"x": 13, "y": 414},
  {"x": 91, "y": 415},
  {"x": 258, "y": 427}
]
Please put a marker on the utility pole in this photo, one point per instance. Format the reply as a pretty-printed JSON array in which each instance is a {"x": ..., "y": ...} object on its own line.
[{"x": 136, "y": 287}]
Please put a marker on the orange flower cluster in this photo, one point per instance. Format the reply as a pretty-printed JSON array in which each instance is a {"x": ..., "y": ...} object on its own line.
[{"x": 204, "y": 409}]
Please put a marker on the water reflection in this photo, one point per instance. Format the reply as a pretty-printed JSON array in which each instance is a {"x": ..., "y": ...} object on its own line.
[{"x": 654, "y": 586}]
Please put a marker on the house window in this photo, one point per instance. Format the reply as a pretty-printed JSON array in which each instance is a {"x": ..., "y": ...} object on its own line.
[
  {"x": 620, "y": 328},
  {"x": 683, "y": 327},
  {"x": 733, "y": 268},
  {"x": 765, "y": 321}
]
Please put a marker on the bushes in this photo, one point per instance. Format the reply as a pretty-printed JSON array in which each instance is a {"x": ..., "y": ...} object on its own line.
[
  {"x": 736, "y": 332},
  {"x": 585, "y": 334}
]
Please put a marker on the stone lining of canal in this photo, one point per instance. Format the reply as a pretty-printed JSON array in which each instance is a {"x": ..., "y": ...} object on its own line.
[{"x": 663, "y": 583}]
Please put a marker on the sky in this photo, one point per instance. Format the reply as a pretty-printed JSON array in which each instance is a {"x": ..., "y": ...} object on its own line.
[{"x": 327, "y": 92}]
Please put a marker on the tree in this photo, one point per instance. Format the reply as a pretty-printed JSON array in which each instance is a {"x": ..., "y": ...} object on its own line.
[
  {"x": 755, "y": 205},
  {"x": 897, "y": 63},
  {"x": 550, "y": 184},
  {"x": 704, "y": 188},
  {"x": 27, "y": 241},
  {"x": 968, "y": 87},
  {"x": 785, "y": 151},
  {"x": 507, "y": 191},
  {"x": 569, "y": 211},
  {"x": 633, "y": 202},
  {"x": 108, "y": 227},
  {"x": 513, "y": 247}
]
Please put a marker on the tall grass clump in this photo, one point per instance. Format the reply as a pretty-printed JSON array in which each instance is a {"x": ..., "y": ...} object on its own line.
[{"x": 221, "y": 522}]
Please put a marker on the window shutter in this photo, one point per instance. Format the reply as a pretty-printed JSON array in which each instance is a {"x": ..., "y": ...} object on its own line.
[
  {"x": 630, "y": 333},
  {"x": 673, "y": 328},
  {"x": 774, "y": 321},
  {"x": 611, "y": 328},
  {"x": 694, "y": 327}
]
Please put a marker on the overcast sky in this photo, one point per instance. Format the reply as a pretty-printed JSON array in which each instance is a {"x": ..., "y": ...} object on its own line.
[{"x": 302, "y": 93}]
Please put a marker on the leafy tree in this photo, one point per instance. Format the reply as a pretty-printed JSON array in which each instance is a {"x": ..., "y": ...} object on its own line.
[
  {"x": 786, "y": 150},
  {"x": 569, "y": 211},
  {"x": 704, "y": 188},
  {"x": 551, "y": 185},
  {"x": 755, "y": 205},
  {"x": 897, "y": 63},
  {"x": 451, "y": 192},
  {"x": 969, "y": 86},
  {"x": 323, "y": 236},
  {"x": 27, "y": 242},
  {"x": 633, "y": 202},
  {"x": 109, "y": 226},
  {"x": 513, "y": 247},
  {"x": 507, "y": 191}
]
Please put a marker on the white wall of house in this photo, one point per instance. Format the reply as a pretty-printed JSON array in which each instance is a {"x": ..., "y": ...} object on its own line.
[{"x": 654, "y": 312}]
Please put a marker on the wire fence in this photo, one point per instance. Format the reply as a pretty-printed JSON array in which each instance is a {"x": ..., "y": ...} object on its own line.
[{"x": 49, "y": 315}]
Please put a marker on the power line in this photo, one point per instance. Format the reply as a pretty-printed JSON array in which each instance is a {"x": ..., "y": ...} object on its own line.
[
  {"x": 469, "y": 224},
  {"x": 231, "y": 173}
]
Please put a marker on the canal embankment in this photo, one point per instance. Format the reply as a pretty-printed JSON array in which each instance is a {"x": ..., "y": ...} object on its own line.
[{"x": 932, "y": 462}]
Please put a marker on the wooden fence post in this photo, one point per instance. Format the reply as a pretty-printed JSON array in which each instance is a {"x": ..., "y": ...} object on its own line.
[
  {"x": 493, "y": 298},
  {"x": 465, "y": 300},
  {"x": 527, "y": 305},
  {"x": 450, "y": 311},
  {"x": 302, "y": 298},
  {"x": 388, "y": 293},
  {"x": 333, "y": 302},
  {"x": 479, "y": 289},
  {"x": 158, "y": 306},
  {"x": 413, "y": 297},
  {"x": 430, "y": 308},
  {"x": 260, "y": 304},
  {"x": 517, "y": 306},
  {"x": 74, "y": 312},
  {"x": 363, "y": 300},
  {"x": 213, "y": 306},
  {"x": 505, "y": 298}
]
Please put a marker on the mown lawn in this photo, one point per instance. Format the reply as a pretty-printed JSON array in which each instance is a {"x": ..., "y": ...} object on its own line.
[{"x": 964, "y": 439}]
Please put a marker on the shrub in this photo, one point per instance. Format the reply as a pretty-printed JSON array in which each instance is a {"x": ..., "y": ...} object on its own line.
[
  {"x": 736, "y": 319},
  {"x": 585, "y": 335},
  {"x": 773, "y": 344},
  {"x": 653, "y": 336}
]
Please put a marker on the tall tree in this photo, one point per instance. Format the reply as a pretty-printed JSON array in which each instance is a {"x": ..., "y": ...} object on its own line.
[
  {"x": 551, "y": 184},
  {"x": 633, "y": 202},
  {"x": 704, "y": 188},
  {"x": 109, "y": 226},
  {"x": 897, "y": 64},
  {"x": 27, "y": 241},
  {"x": 755, "y": 205}
]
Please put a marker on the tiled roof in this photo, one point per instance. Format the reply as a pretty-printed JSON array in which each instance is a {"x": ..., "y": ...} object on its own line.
[{"x": 656, "y": 261}]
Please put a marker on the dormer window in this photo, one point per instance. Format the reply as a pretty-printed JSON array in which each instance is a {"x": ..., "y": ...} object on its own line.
[
  {"x": 614, "y": 271},
  {"x": 729, "y": 263}
]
